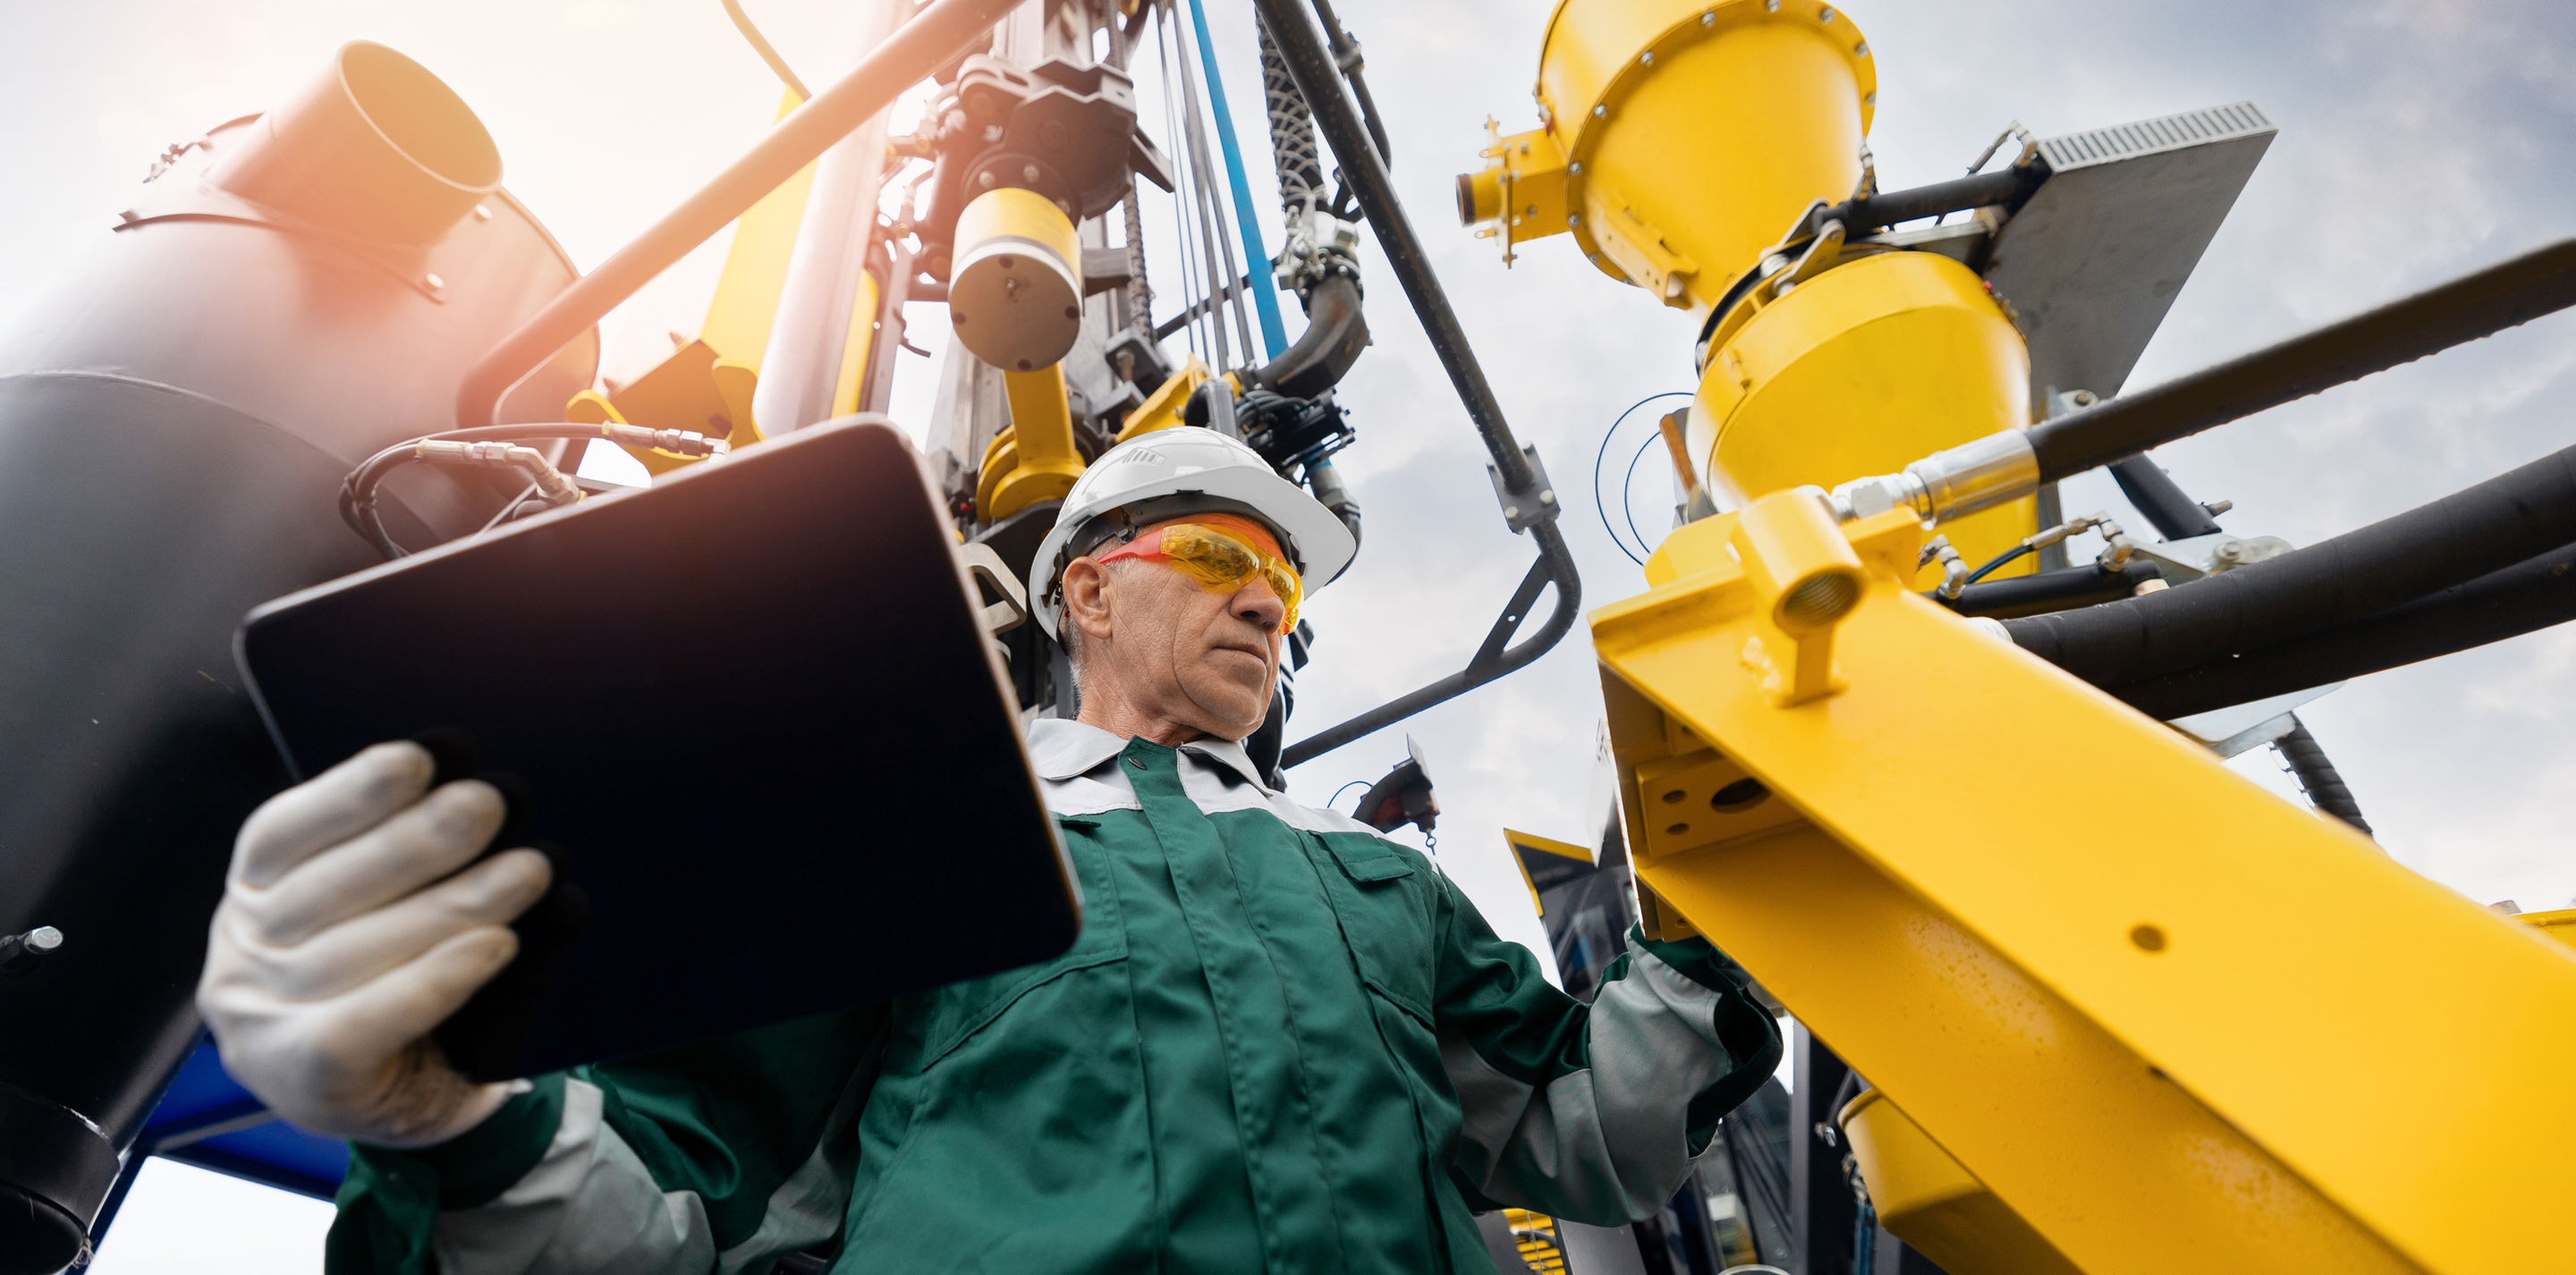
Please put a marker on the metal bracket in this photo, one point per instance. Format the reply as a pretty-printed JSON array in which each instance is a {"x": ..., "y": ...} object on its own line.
[
  {"x": 991, "y": 572},
  {"x": 1531, "y": 505}
]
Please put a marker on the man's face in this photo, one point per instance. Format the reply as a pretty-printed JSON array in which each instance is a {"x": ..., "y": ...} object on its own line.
[{"x": 1176, "y": 649}]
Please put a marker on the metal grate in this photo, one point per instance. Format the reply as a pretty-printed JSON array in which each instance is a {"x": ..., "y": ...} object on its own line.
[{"x": 2147, "y": 137}]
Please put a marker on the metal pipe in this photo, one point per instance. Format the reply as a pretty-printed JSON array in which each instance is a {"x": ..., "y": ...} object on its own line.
[
  {"x": 2472, "y": 306},
  {"x": 801, "y": 370},
  {"x": 2005, "y": 186},
  {"x": 933, "y": 36},
  {"x": 1339, "y": 121},
  {"x": 1265, "y": 299}
]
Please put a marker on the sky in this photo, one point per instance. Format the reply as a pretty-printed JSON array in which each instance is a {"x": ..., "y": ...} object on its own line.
[{"x": 2417, "y": 141}]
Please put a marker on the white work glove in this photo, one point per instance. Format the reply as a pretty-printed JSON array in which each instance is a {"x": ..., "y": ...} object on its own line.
[{"x": 347, "y": 932}]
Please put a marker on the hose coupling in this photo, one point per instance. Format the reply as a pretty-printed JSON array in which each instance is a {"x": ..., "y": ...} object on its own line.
[{"x": 1973, "y": 476}]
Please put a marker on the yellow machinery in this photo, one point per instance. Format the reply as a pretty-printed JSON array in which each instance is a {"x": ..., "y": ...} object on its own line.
[{"x": 2098, "y": 1042}]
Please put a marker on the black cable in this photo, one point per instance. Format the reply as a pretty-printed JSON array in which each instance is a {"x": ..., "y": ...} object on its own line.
[
  {"x": 358, "y": 491},
  {"x": 2318, "y": 776},
  {"x": 1602, "y": 453},
  {"x": 2000, "y": 560}
]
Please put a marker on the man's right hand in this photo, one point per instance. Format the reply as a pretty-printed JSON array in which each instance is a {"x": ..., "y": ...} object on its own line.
[{"x": 347, "y": 932}]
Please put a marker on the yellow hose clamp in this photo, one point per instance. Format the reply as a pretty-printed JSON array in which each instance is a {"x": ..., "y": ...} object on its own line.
[
  {"x": 1805, "y": 579},
  {"x": 1015, "y": 293}
]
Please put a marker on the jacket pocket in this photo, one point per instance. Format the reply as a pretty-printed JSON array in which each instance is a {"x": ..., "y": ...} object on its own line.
[{"x": 1383, "y": 900}]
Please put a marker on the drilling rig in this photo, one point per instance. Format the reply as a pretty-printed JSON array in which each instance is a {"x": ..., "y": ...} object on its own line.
[{"x": 2032, "y": 1037}]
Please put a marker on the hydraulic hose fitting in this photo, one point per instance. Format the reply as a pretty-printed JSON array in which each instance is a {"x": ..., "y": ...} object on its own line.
[{"x": 1976, "y": 475}]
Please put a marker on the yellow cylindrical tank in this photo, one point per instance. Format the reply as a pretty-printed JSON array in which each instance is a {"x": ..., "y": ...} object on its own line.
[
  {"x": 1694, "y": 133},
  {"x": 1015, "y": 293},
  {"x": 1928, "y": 1200},
  {"x": 1879, "y": 361}
]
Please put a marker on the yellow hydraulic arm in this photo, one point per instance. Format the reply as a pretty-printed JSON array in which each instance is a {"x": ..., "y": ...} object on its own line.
[{"x": 2216, "y": 1032}]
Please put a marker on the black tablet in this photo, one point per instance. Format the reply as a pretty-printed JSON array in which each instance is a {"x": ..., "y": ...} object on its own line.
[{"x": 750, "y": 711}]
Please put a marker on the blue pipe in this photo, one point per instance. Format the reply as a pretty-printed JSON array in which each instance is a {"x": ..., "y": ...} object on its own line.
[{"x": 1265, "y": 297}]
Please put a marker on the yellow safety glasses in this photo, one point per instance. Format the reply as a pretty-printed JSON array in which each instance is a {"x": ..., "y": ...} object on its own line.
[{"x": 1223, "y": 553}]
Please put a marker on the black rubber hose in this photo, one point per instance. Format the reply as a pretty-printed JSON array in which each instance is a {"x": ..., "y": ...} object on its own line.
[
  {"x": 2472, "y": 306},
  {"x": 2084, "y": 586},
  {"x": 2318, "y": 776},
  {"x": 1292, "y": 132},
  {"x": 1335, "y": 334},
  {"x": 2326, "y": 586},
  {"x": 2522, "y": 598},
  {"x": 2174, "y": 515},
  {"x": 2005, "y": 186}
]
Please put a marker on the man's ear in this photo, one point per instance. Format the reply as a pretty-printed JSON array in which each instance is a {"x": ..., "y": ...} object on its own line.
[{"x": 1086, "y": 597}]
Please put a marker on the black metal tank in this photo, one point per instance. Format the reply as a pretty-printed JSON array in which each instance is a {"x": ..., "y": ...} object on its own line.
[{"x": 296, "y": 291}]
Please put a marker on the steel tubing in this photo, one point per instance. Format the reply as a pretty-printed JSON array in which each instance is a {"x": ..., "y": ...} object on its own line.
[
  {"x": 1364, "y": 167},
  {"x": 938, "y": 33}
]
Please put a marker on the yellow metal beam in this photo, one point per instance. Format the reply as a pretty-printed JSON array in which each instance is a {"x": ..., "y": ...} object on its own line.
[{"x": 2166, "y": 1016}]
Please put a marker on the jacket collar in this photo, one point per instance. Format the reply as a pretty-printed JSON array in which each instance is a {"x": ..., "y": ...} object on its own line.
[{"x": 1063, "y": 749}]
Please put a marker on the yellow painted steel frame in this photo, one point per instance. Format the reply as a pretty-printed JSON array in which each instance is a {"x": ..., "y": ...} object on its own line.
[
  {"x": 2221, "y": 1033},
  {"x": 1034, "y": 459}
]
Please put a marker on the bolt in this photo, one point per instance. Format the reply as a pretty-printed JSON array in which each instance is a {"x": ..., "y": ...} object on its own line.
[
  {"x": 1601, "y": 111},
  {"x": 1708, "y": 19},
  {"x": 1861, "y": 50},
  {"x": 1511, "y": 513},
  {"x": 1646, "y": 58},
  {"x": 1771, "y": 6},
  {"x": 20, "y": 953},
  {"x": 1028, "y": 172},
  {"x": 1825, "y": 14},
  {"x": 435, "y": 283},
  {"x": 1575, "y": 168},
  {"x": 482, "y": 213},
  {"x": 985, "y": 179},
  {"x": 1573, "y": 220}
]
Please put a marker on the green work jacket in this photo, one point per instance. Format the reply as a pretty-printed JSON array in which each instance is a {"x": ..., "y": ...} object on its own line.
[{"x": 1282, "y": 1043}]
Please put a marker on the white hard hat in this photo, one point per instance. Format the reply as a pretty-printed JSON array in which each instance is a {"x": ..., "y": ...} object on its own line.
[{"x": 1184, "y": 470}]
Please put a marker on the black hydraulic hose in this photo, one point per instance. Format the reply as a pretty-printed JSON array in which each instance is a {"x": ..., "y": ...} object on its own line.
[
  {"x": 2523, "y": 598},
  {"x": 923, "y": 44},
  {"x": 1335, "y": 334},
  {"x": 1364, "y": 167},
  {"x": 2318, "y": 776},
  {"x": 2174, "y": 515},
  {"x": 2325, "y": 586},
  {"x": 1292, "y": 133},
  {"x": 2084, "y": 586},
  {"x": 2472, "y": 306}
]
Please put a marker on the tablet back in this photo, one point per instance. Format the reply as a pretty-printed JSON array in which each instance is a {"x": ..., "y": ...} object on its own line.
[{"x": 751, "y": 711}]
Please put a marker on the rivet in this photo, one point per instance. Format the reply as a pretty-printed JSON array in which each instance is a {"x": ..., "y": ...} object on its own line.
[
  {"x": 435, "y": 283},
  {"x": 1601, "y": 111},
  {"x": 1646, "y": 58},
  {"x": 1708, "y": 19},
  {"x": 1573, "y": 219},
  {"x": 1576, "y": 167},
  {"x": 1516, "y": 221}
]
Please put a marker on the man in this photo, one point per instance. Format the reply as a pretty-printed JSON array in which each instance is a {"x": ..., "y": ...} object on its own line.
[{"x": 1282, "y": 1042}]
